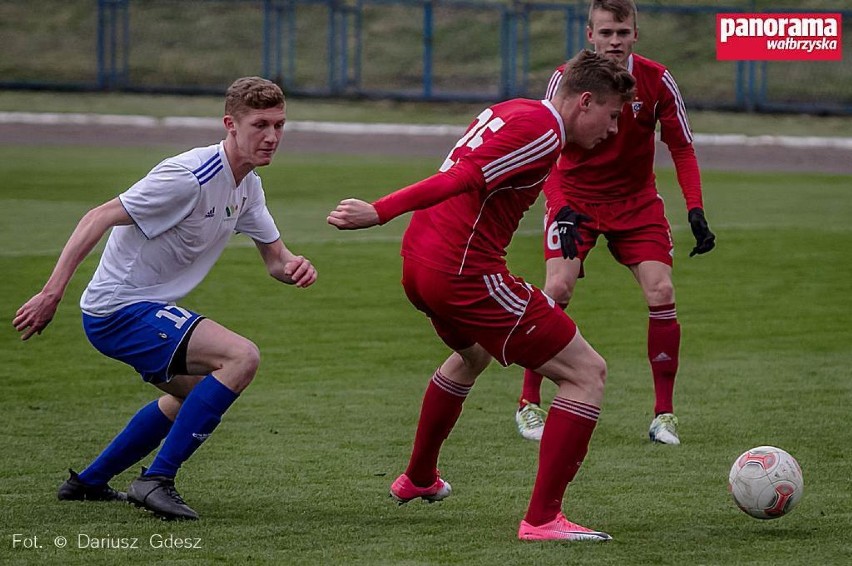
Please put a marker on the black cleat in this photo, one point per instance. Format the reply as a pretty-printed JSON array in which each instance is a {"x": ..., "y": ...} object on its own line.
[
  {"x": 158, "y": 495},
  {"x": 75, "y": 490}
]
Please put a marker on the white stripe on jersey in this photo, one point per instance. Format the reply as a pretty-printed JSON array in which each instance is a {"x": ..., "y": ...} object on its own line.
[
  {"x": 540, "y": 147},
  {"x": 553, "y": 84},
  {"x": 670, "y": 83}
]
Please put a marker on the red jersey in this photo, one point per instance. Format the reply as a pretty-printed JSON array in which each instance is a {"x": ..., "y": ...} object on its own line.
[
  {"x": 510, "y": 147},
  {"x": 623, "y": 165}
]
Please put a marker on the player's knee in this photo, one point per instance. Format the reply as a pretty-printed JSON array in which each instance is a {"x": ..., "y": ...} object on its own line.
[
  {"x": 250, "y": 357},
  {"x": 169, "y": 405},
  {"x": 559, "y": 289},
  {"x": 478, "y": 363},
  {"x": 474, "y": 361},
  {"x": 244, "y": 358},
  {"x": 661, "y": 293},
  {"x": 592, "y": 375},
  {"x": 597, "y": 372}
]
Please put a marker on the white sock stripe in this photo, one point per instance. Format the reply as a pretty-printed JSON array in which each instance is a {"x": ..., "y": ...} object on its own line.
[
  {"x": 578, "y": 408},
  {"x": 671, "y": 313},
  {"x": 449, "y": 386}
]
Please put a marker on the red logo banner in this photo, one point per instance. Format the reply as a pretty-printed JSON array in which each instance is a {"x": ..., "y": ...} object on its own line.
[{"x": 779, "y": 37}]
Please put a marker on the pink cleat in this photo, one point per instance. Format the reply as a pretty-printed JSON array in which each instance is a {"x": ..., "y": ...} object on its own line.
[
  {"x": 403, "y": 491},
  {"x": 560, "y": 528}
]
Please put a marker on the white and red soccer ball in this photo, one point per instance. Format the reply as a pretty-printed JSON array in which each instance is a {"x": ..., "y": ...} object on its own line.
[{"x": 766, "y": 482}]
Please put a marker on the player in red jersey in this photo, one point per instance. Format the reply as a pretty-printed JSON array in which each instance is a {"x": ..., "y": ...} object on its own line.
[
  {"x": 454, "y": 270},
  {"x": 611, "y": 189}
]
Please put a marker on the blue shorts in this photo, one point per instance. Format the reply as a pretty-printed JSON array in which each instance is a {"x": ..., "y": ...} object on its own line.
[{"x": 145, "y": 336}]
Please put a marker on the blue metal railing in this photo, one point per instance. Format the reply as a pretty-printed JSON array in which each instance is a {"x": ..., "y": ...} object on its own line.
[{"x": 349, "y": 72}]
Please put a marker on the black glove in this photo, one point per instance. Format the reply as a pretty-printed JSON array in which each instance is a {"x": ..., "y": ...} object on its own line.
[
  {"x": 567, "y": 226},
  {"x": 705, "y": 240}
]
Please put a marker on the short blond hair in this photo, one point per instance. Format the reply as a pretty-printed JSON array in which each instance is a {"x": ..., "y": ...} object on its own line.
[
  {"x": 252, "y": 93},
  {"x": 620, "y": 10},
  {"x": 590, "y": 72}
]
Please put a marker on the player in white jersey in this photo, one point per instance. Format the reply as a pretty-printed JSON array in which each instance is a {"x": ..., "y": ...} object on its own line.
[{"x": 168, "y": 230}]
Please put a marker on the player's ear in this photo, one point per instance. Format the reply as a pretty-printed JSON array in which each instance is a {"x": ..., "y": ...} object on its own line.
[
  {"x": 585, "y": 101},
  {"x": 228, "y": 120},
  {"x": 589, "y": 34}
]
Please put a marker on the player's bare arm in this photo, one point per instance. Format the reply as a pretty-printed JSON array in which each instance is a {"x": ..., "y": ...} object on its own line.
[
  {"x": 353, "y": 214},
  {"x": 34, "y": 316},
  {"x": 285, "y": 266}
]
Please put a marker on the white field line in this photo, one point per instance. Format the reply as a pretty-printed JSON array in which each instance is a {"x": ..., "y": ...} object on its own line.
[{"x": 359, "y": 128}]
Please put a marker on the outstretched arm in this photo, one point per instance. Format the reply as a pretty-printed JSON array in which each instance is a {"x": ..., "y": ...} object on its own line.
[
  {"x": 352, "y": 214},
  {"x": 37, "y": 313},
  {"x": 285, "y": 266}
]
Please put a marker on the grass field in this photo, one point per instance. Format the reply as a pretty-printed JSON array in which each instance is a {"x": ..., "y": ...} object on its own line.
[{"x": 299, "y": 470}]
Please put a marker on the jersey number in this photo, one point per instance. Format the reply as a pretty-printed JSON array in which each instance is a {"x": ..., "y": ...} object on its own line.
[
  {"x": 473, "y": 138},
  {"x": 178, "y": 319},
  {"x": 553, "y": 236}
]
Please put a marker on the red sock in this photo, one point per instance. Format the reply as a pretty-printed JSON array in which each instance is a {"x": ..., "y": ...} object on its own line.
[
  {"x": 531, "y": 391},
  {"x": 442, "y": 405},
  {"x": 563, "y": 447},
  {"x": 663, "y": 353}
]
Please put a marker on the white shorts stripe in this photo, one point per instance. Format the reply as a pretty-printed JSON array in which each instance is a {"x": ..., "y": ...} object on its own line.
[
  {"x": 504, "y": 290},
  {"x": 497, "y": 296},
  {"x": 501, "y": 293}
]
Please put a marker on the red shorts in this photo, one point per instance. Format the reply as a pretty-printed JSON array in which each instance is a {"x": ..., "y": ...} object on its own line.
[
  {"x": 636, "y": 230},
  {"x": 515, "y": 322}
]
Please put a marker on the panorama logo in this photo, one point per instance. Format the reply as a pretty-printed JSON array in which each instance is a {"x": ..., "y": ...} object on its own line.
[{"x": 779, "y": 37}]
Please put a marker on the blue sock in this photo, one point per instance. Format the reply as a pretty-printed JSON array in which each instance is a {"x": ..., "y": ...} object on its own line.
[
  {"x": 148, "y": 427},
  {"x": 200, "y": 414}
]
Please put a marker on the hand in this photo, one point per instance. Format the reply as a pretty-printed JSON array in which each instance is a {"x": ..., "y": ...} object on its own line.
[
  {"x": 705, "y": 240},
  {"x": 300, "y": 271},
  {"x": 568, "y": 227},
  {"x": 353, "y": 214},
  {"x": 35, "y": 315}
]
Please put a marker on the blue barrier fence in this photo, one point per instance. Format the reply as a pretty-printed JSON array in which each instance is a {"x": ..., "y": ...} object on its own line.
[{"x": 402, "y": 49}]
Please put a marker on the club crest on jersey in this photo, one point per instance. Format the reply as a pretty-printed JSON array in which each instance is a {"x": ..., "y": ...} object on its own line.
[
  {"x": 637, "y": 106},
  {"x": 232, "y": 209}
]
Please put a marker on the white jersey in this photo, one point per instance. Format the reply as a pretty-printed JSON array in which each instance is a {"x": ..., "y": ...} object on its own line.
[{"x": 184, "y": 212}]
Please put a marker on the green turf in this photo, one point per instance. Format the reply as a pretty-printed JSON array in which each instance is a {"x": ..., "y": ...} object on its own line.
[{"x": 299, "y": 470}]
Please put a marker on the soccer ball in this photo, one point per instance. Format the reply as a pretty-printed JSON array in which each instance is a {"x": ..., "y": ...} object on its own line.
[{"x": 766, "y": 482}]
